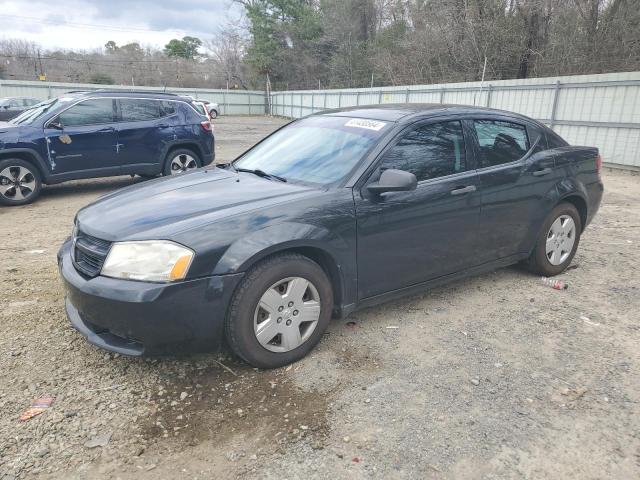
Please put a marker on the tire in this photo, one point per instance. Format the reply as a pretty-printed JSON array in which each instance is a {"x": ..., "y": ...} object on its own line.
[
  {"x": 550, "y": 263},
  {"x": 20, "y": 182},
  {"x": 213, "y": 114},
  {"x": 277, "y": 282},
  {"x": 182, "y": 156}
]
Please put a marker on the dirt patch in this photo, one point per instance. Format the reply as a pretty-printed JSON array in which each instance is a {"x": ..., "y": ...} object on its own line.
[{"x": 200, "y": 406}]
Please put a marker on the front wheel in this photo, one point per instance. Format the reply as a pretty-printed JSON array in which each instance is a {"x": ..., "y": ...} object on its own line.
[
  {"x": 19, "y": 182},
  {"x": 180, "y": 161},
  {"x": 557, "y": 242},
  {"x": 279, "y": 311}
]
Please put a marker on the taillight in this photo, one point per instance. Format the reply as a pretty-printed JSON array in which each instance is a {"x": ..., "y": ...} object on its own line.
[
  {"x": 206, "y": 126},
  {"x": 598, "y": 164}
]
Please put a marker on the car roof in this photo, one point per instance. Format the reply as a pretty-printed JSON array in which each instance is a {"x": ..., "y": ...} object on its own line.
[{"x": 396, "y": 112}]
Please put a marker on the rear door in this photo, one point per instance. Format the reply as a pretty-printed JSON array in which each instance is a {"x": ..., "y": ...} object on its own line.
[
  {"x": 87, "y": 141},
  {"x": 145, "y": 130},
  {"x": 514, "y": 182},
  {"x": 405, "y": 238}
]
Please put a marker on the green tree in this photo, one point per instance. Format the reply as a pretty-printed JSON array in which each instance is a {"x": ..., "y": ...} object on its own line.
[
  {"x": 185, "y": 48},
  {"x": 102, "y": 79},
  {"x": 286, "y": 40},
  {"x": 111, "y": 46}
]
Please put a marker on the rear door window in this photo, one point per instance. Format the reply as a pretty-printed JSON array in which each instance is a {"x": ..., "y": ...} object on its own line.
[
  {"x": 89, "y": 112},
  {"x": 500, "y": 142},
  {"x": 430, "y": 151},
  {"x": 139, "y": 110}
]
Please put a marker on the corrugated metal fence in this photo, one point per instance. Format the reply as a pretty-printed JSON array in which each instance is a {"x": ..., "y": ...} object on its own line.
[
  {"x": 599, "y": 110},
  {"x": 232, "y": 102}
]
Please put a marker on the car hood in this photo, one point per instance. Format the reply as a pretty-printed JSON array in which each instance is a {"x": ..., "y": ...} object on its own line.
[
  {"x": 159, "y": 209},
  {"x": 9, "y": 133}
]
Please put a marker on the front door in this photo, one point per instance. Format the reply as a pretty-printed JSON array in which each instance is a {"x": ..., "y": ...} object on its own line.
[
  {"x": 405, "y": 238},
  {"x": 84, "y": 139}
]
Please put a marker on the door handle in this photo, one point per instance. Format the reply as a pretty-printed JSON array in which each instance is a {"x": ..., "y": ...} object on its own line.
[
  {"x": 463, "y": 190},
  {"x": 540, "y": 173}
]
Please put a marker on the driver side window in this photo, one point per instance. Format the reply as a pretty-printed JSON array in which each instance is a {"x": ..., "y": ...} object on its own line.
[
  {"x": 429, "y": 151},
  {"x": 89, "y": 112}
]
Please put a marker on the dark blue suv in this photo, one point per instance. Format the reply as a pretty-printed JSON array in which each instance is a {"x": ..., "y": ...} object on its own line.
[{"x": 100, "y": 134}]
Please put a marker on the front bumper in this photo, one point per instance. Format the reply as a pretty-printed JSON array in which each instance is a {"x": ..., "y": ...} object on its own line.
[{"x": 136, "y": 318}]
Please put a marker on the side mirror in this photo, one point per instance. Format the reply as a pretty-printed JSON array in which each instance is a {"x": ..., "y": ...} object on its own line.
[
  {"x": 56, "y": 125},
  {"x": 394, "y": 181}
]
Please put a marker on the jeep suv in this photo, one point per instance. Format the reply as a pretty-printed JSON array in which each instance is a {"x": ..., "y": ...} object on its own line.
[{"x": 100, "y": 134}]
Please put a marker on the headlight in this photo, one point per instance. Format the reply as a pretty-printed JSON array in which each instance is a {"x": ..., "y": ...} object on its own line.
[{"x": 153, "y": 261}]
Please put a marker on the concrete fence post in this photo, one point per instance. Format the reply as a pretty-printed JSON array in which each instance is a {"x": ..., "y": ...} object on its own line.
[
  {"x": 489, "y": 90},
  {"x": 554, "y": 108},
  {"x": 406, "y": 97}
]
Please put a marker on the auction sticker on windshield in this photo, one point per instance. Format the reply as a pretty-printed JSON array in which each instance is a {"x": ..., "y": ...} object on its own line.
[{"x": 368, "y": 124}]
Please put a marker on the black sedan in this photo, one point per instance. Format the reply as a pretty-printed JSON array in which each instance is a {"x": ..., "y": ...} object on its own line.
[
  {"x": 329, "y": 214},
  {"x": 11, "y": 107}
]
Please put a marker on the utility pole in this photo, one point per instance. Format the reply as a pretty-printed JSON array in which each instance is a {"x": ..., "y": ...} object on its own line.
[{"x": 41, "y": 76}]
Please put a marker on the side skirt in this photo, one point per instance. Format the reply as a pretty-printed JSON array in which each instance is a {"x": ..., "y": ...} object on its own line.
[{"x": 346, "y": 310}]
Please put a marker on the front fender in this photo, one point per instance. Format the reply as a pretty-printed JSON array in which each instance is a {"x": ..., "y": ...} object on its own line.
[
  {"x": 259, "y": 244},
  {"x": 339, "y": 251},
  {"x": 39, "y": 161}
]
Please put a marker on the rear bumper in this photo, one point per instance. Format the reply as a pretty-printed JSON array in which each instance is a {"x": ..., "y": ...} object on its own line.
[{"x": 136, "y": 318}]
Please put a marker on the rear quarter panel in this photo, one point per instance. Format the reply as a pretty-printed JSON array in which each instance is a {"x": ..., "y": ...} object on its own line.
[{"x": 580, "y": 176}]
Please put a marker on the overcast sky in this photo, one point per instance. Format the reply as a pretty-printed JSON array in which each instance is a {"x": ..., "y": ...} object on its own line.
[{"x": 89, "y": 24}]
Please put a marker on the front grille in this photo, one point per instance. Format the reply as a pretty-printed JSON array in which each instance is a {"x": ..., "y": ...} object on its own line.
[{"x": 89, "y": 253}]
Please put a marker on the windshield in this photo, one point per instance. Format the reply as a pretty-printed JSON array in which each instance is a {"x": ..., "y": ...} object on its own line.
[
  {"x": 32, "y": 114},
  {"x": 320, "y": 150}
]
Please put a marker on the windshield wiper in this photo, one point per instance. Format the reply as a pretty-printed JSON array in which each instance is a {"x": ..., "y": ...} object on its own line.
[{"x": 261, "y": 173}]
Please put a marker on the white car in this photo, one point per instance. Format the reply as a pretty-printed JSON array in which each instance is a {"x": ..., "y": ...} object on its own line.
[{"x": 212, "y": 108}]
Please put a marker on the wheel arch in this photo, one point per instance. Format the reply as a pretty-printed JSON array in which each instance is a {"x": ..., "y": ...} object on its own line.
[
  {"x": 313, "y": 242},
  {"x": 188, "y": 146},
  {"x": 28, "y": 156},
  {"x": 581, "y": 205}
]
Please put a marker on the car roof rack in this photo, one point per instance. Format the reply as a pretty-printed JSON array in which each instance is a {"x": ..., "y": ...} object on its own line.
[{"x": 125, "y": 90}]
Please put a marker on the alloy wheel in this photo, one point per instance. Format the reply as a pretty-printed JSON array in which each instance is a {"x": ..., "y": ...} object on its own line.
[
  {"x": 560, "y": 239},
  {"x": 287, "y": 314},
  {"x": 17, "y": 183},
  {"x": 183, "y": 162}
]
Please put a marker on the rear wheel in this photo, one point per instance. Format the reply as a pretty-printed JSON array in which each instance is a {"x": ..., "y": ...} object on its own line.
[
  {"x": 557, "y": 242},
  {"x": 279, "y": 311},
  {"x": 19, "y": 182},
  {"x": 213, "y": 114},
  {"x": 180, "y": 161}
]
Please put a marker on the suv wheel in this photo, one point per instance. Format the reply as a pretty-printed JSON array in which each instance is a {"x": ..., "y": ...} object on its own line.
[
  {"x": 180, "y": 161},
  {"x": 19, "y": 182},
  {"x": 213, "y": 114},
  {"x": 279, "y": 311},
  {"x": 557, "y": 242}
]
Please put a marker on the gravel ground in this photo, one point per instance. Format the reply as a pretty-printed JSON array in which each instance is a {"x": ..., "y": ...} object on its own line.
[{"x": 496, "y": 376}]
